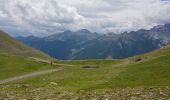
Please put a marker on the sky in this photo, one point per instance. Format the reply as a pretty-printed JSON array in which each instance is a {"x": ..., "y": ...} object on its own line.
[{"x": 46, "y": 17}]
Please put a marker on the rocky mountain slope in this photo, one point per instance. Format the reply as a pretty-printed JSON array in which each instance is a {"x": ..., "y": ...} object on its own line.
[{"x": 86, "y": 45}]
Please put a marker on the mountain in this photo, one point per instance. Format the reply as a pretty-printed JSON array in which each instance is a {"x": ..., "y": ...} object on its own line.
[
  {"x": 86, "y": 45},
  {"x": 9, "y": 45},
  {"x": 73, "y": 37},
  {"x": 142, "y": 77},
  {"x": 60, "y": 45},
  {"x": 120, "y": 46}
]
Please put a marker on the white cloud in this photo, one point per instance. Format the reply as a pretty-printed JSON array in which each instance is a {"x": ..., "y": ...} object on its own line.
[
  {"x": 51, "y": 16},
  {"x": 37, "y": 17}
]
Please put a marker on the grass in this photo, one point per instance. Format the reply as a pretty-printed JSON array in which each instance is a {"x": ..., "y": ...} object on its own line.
[
  {"x": 150, "y": 73},
  {"x": 12, "y": 65},
  {"x": 12, "y": 46},
  {"x": 114, "y": 79},
  {"x": 110, "y": 74}
]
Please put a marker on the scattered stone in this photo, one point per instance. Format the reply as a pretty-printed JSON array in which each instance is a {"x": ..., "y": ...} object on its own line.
[
  {"x": 25, "y": 86},
  {"x": 9, "y": 98},
  {"x": 35, "y": 98},
  {"x": 150, "y": 88},
  {"x": 53, "y": 83},
  {"x": 138, "y": 59}
]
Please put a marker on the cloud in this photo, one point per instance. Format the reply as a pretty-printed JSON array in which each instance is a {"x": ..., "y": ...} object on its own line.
[
  {"x": 37, "y": 17},
  {"x": 44, "y": 17}
]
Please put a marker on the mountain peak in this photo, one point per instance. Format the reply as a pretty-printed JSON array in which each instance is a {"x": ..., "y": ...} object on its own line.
[
  {"x": 161, "y": 27},
  {"x": 84, "y": 31},
  {"x": 67, "y": 31}
]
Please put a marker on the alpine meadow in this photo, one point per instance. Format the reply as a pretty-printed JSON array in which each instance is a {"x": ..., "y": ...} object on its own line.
[{"x": 85, "y": 50}]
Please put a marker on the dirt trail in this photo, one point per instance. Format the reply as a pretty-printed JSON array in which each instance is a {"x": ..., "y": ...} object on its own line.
[
  {"x": 34, "y": 74},
  {"x": 47, "y": 61}
]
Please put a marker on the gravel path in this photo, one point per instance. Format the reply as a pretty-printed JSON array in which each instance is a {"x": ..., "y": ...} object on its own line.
[
  {"x": 47, "y": 61},
  {"x": 34, "y": 74}
]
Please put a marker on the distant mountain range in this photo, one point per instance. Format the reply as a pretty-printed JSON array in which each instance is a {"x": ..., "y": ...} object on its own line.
[{"x": 83, "y": 44}]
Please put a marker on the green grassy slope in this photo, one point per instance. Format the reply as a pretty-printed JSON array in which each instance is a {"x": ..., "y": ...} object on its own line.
[
  {"x": 15, "y": 58},
  {"x": 114, "y": 79},
  {"x": 153, "y": 69},
  {"x": 12, "y": 65},
  {"x": 12, "y": 46}
]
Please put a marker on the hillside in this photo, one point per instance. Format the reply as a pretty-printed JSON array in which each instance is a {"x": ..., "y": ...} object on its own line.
[
  {"x": 143, "y": 77},
  {"x": 17, "y": 58},
  {"x": 83, "y": 44},
  {"x": 12, "y": 46}
]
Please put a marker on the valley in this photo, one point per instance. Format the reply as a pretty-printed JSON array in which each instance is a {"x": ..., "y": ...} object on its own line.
[
  {"x": 84, "y": 49},
  {"x": 32, "y": 77}
]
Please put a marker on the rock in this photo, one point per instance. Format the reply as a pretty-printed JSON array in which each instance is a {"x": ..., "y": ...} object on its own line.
[
  {"x": 53, "y": 83},
  {"x": 25, "y": 86},
  {"x": 138, "y": 59},
  {"x": 9, "y": 98},
  {"x": 35, "y": 98}
]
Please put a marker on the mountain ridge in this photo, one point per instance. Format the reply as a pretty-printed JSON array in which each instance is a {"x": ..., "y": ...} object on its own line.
[
  {"x": 83, "y": 44},
  {"x": 10, "y": 45}
]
